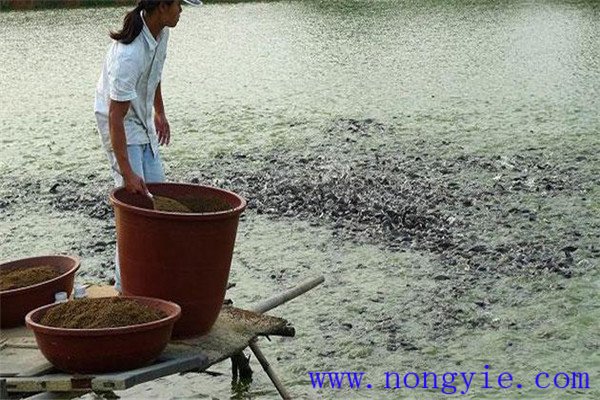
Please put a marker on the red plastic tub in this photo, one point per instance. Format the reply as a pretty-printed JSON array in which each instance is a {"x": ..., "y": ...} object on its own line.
[
  {"x": 16, "y": 303},
  {"x": 87, "y": 351},
  {"x": 181, "y": 257}
]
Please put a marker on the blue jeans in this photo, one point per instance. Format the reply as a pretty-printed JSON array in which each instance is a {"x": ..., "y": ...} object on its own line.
[{"x": 148, "y": 167}]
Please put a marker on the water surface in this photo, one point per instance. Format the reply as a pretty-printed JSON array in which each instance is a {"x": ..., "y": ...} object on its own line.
[{"x": 489, "y": 78}]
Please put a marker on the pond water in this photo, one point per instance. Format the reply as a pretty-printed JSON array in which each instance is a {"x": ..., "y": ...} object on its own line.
[
  {"x": 492, "y": 73},
  {"x": 491, "y": 78}
]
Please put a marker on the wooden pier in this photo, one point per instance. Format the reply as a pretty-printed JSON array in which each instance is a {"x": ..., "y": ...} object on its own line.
[{"x": 25, "y": 371}]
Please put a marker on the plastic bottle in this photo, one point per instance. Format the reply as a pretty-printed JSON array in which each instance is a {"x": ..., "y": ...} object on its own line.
[
  {"x": 79, "y": 292},
  {"x": 60, "y": 297}
]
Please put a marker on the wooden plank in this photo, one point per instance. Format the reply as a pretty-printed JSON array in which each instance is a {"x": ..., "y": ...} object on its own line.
[
  {"x": 127, "y": 379},
  {"x": 56, "y": 383},
  {"x": 39, "y": 368},
  {"x": 105, "y": 382},
  {"x": 17, "y": 332},
  {"x": 20, "y": 355},
  {"x": 101, "y": 291},
  {"x": 21, "y": 343},
  {"x": 232, "y": 333},
  {"x": 24, "y": 361}
]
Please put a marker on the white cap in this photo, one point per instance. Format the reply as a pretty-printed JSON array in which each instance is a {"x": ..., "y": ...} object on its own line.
[
  {"x": 193, "y": 2},
  {"x": 60, "y": 296}
]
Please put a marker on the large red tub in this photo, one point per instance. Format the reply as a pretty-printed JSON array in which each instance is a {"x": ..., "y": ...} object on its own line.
[{"x": 180, "y": 257}]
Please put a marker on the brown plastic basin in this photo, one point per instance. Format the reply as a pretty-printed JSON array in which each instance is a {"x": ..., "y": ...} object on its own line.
[
  {"x": 87, "y": 351},
  {"x": 181, "y": 257},
  {"x": 16, "y": 303}
]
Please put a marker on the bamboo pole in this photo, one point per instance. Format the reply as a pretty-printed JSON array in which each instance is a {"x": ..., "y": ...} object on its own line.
[
  {"x": 270, "y": 372},
  {"x": 286, "y": 296},
  {"x": 270, "y": 304}
]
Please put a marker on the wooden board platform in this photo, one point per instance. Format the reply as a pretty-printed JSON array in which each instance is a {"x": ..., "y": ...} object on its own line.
[
  {"x": 23, "y": 369},
  {"x": 26, "y": 370}
]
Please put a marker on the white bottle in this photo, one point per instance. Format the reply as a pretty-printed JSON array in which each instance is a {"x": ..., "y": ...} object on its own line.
[
  {"x": 79, "y": 292},
  {"x": 60, "y": 297}
]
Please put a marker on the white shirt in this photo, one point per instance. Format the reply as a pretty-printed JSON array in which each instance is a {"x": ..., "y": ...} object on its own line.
[{"x": 132, "y": 72}]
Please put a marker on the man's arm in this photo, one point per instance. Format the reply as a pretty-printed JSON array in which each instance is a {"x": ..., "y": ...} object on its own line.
[
  {"x": 163, "y": 131},
  {"x": 116, "y": 115}
]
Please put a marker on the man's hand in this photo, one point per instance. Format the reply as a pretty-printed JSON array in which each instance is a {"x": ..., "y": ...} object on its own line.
[
  {"x": 134, "y": 183},
  {"x": 163, "y": 131}
]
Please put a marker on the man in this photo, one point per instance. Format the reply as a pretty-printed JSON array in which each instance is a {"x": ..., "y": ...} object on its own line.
[{"x": 129, "y": 105}]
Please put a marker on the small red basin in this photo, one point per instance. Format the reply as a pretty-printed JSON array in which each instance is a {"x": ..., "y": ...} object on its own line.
[
  {"x": 87, "y": 351},
  {"x": 16, "y": 303}
]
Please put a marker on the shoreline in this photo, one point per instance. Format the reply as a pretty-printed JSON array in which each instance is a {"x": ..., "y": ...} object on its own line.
[
  {"x": 22, "y": 5},
  {"x": 27, "y": 5}
]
